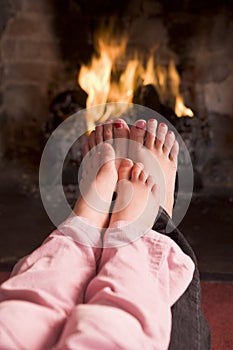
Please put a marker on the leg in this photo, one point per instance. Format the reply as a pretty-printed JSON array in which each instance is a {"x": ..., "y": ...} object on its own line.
[
  {"x": 128, "y": 304},
  {"x": 47, "y": 284},
  {"x": 42, "y": 290},
  {"x": 186, "y": 312}
]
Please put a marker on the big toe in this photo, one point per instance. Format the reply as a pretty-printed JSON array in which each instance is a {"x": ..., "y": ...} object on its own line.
[
  {"x": 121, "y": 135},
  {"x": 124, "y": 171},
  {"x": 120, "y": 129}
]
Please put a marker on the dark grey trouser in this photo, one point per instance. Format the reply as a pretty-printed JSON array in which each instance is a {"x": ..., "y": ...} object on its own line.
[{"x": 190, "y": 330}]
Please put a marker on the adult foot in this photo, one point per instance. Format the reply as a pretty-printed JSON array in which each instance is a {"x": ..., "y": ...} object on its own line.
[
  {"x": 121, "y": 136},
  {"x": 137, "y": 199},
  {"x": 97, "y": 184},
  {"x": 158, "y": 150},
  {"x": 114, "y": 132}
]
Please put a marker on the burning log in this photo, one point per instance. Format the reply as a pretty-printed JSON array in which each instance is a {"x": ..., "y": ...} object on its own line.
[
  {"x": 62, "y": 106},
  {"x": 148, "y": 96}
]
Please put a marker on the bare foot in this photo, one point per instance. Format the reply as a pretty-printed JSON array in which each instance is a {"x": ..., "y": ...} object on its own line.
[
  {"x": 121, "y": 136},
  {"x": 137, "y": 199},
  {"x": 161, "y": 160},
  {"x": 114, "y": 132},
  {"x": 99, "y": 178}
]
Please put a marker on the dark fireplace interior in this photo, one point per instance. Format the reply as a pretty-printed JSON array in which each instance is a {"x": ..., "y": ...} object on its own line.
[{"x": 45, "y": 43}]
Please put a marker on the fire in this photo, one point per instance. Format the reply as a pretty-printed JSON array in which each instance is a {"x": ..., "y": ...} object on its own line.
[
  {"x": 157, "y": 76},
  {"x": 95, "y": 80},
  {"x": 181, "y": 109},
  {"x": 98, "y": 81}
]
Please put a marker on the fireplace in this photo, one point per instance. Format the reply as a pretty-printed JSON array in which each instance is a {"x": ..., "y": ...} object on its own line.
[{"x": 46, "y": 44}]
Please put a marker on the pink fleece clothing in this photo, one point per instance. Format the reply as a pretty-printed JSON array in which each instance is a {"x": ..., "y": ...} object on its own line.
[{"x": 56, "y": 298}]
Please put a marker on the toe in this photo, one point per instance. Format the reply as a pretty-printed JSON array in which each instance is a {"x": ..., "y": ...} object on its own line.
[
  {"x": 151, "y": 181},
  {"x": 99, "y": 134},
  {"x": 154, "y": 189},
  {"x": 85, "y": 149},
  {"x": 160, "y": 135},
  {"x": 174, "y": 151},
  {"x": 168, "y": 143},
  {"x": 120, "y": 129},
  {"x": 150, "y": 133},
  {"x": 86, "y": 161},
  {"x": 138, "y": 131},
  {"x": 124, "y": 170},
  {"x": 121, "y": 136},
  {"x": 108, "y": 132},
  {"x": 136, "y": 171},
  {"x": 143, "y": 176},
  {"x": 91, "y": 140}
]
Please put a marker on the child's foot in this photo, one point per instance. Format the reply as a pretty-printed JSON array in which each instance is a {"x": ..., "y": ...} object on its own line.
[
  {"x": 99, "y": 178},
  {"x": 164, "y": 148},
  {"x": 137, "y": 199}
]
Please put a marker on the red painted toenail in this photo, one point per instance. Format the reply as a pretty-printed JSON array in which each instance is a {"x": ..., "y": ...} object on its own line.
[
  {"x": 151, "y": 120},
  {"x": 163, "y": 125},
  {"x": 140, "y": 124},
  {"x": 170, "y": 132},
  {"x": 118, "y": 124}
]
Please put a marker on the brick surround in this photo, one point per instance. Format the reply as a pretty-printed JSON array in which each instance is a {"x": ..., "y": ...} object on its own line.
[{"x": 30, "y": 60}]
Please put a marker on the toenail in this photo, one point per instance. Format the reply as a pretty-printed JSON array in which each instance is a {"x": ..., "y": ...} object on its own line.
[
  {"x": 118, "y": 124},
  {"x": 140, "y": 124},
  {"x": 140, "y": 165},
  {"x": 170, "y": 132},
  {"x": 151, "y": 120},
  {"x": 163, "y": 125}
]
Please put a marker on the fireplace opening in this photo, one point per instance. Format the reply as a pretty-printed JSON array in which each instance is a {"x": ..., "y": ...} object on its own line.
[{"x": 169, "y": 57}]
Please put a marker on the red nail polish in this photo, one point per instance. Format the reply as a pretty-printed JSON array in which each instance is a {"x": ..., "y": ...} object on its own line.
[
  {"x": 151, "y": 120},
  {"x": 170, "y": 132},
  {"x": 118, "y": 124},
  {"x": 140, "y": 124},
  {"x": 163, "y": 125}
]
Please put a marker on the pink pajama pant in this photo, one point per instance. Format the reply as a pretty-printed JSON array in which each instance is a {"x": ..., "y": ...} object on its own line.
[{"x": 57, "y": 299}]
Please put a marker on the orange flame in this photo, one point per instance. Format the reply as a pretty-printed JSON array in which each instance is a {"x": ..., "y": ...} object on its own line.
[
  {"x": 96, "y": 79},
  {"x": 181, "y": 109}
]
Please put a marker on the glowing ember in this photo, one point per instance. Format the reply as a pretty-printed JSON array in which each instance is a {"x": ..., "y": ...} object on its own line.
[{"x": 97, "y": 79}]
